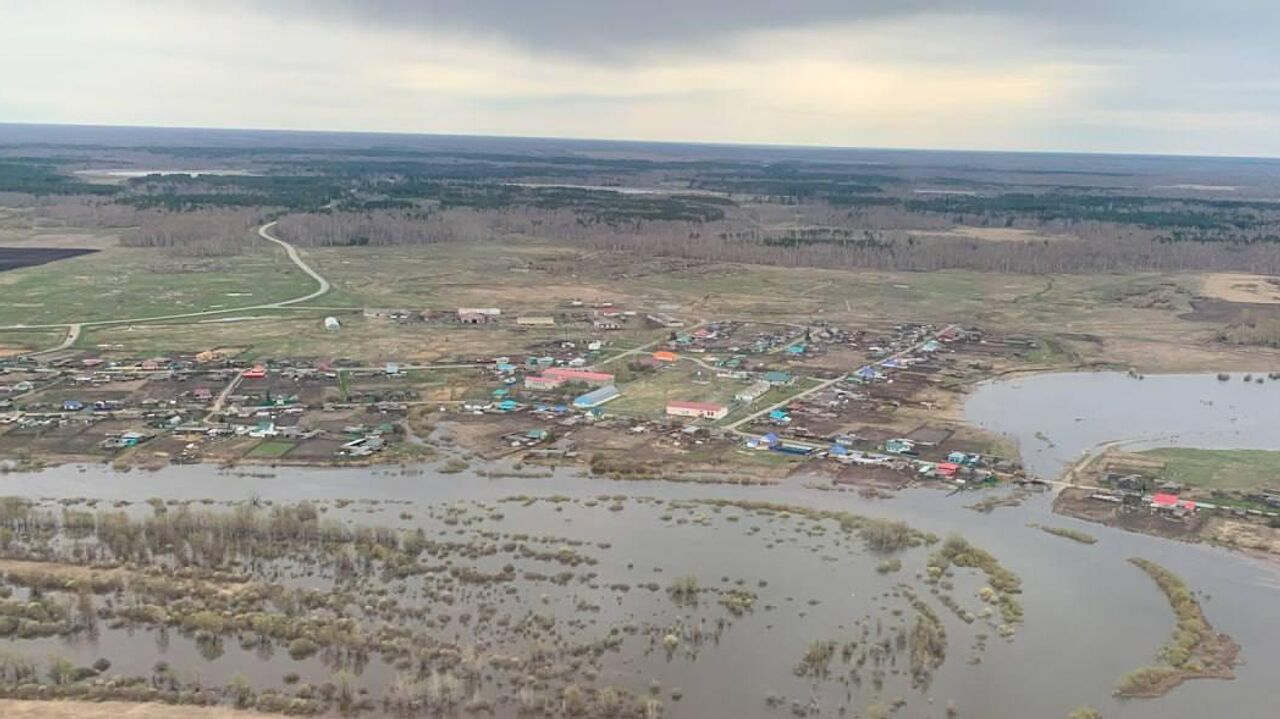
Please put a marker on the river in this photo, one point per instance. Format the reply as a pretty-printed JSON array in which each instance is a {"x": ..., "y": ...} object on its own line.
[
  {"x": 1057, "y": 418},
  {"x": 1090, "y": 616}
]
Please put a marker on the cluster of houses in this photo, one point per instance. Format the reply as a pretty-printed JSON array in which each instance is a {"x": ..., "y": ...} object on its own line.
[
  {"x": 601, "y": 316},
  {"x": 1164, "y": 497}
]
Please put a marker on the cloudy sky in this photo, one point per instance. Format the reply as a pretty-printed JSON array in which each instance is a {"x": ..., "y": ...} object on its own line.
[{"x": 1163, "y": 76}]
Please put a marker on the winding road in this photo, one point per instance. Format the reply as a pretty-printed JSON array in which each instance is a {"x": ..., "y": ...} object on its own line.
[{"x": 74, "y": 328}]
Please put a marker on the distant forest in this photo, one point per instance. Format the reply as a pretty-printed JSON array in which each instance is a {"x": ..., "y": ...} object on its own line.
[{"x": 916, "y": 216}]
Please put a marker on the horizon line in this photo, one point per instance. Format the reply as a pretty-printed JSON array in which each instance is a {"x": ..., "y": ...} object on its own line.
[{"x": 636, "y": 141}]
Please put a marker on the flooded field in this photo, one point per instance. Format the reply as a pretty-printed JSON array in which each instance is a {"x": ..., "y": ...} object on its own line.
[
  {"x": 1057, "y": 418},
  {"x": 566, "y": 595}
]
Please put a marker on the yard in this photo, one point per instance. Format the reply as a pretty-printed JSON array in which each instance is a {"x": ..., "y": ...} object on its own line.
[
  {"x": 648, "y": 394},
  {"x": 271, "y": 448}
]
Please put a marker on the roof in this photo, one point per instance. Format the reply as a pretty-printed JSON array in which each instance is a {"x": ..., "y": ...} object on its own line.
[
  {"x": 581, "y": 375},
  {"x": 1171, "y": 500},
  {"x": 597, "y": 395},
  {"x": 665, "y": 356},
  {"x": 696, "y": 406}
]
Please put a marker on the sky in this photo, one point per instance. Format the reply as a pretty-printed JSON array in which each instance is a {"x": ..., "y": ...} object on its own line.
[{"x": 1145, "y": 76}]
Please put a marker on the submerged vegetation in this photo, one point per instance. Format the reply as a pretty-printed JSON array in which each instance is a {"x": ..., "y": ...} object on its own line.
[
  {"x": 1074, "y": 535},
  {"x": 1003, "y": 585},
  {"x": 470, "y": 617},
  {"x": 1195, "y": 650}
]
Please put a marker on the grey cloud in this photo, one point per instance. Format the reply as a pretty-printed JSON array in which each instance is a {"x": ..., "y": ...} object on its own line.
[{"x": 607, "y": 29}]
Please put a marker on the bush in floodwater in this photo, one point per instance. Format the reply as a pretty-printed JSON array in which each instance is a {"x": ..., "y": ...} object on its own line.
[
  {"x": 302, "y": 647},
  {"x": 1145, "y": 681},
  {"x": 454, "y": 466},
  {"x": 889, "y": 566},
  {"x": 1085, "y": 713},
  {"x": 684, "y": 589},
  {"x": 61, "y": 670}
]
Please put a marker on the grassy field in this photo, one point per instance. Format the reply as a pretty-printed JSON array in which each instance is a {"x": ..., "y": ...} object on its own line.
[
  {"x": 20, "y": 341},
  {"x": 278, "y": 333},
  {"x": 772, "y": 397},
  {"x": 648, "y": 395},
  {"x": 1084, "y": 318},
  {"x": 1220, "y": 468},
  {"x": 271, "y": 448},
  {"x": 122, "y": 283}
]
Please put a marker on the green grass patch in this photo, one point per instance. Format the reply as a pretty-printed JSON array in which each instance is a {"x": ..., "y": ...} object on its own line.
[
  {"x": 1220, "y": 468},
  {"x": 129, "y": 283},
  {"x": 271, "y": 448}
]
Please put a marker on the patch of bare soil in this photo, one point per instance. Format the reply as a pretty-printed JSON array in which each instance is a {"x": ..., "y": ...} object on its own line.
[
  {"x": 1235, "y": 287},
  {"x": 24, "y": 709},
  {"x": 997, "y": 234},
  {"x": 1247, "y": 536}
]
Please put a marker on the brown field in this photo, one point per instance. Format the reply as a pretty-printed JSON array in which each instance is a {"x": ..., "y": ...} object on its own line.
[
  {"x": 996, "y": 234},
  {"x": 1235, "y": 287}
]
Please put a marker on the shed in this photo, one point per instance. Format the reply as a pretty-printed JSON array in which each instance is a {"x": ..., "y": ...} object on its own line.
[{"x": 597, "y": 397}]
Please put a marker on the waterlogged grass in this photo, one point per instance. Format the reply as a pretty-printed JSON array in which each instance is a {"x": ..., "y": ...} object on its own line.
[
  {"x": 1195, "y": 650},
  {"x": 1074, "y": 535},
  {"x": 1003, "y": 584},
  {"x": 879, "y": 535}
]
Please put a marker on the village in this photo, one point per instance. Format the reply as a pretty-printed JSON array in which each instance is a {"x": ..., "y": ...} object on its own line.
[
  {"x": 620, "y": 388},
  {"x": 626, "y": 393}
]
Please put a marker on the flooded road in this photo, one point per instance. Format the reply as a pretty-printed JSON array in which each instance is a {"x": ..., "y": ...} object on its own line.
[
  {"x": 1090, "y": 616},
  {"x": 1059, "y": 417}
]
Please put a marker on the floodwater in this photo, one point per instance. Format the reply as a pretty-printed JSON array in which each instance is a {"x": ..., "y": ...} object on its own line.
[
  {"x": 1090, "y": 616},
  {"x": 1058, "y": 418}
]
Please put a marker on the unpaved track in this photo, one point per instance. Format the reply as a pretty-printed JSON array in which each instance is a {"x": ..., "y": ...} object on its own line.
[{"x": 74, "y": 328}]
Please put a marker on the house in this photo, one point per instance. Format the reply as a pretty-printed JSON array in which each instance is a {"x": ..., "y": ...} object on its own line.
[
  {"x": 606, "y": 324},
  {"x": 665, "y": 356},
  {"x": 900, "y": 446},
  {"x": 478, "y": 315},
  {"x": 508, "y": 405},
  {"x": 72, "y": 405},
  {"x": 258, "y": 372},
  {"x": 754, "y": 392},
  {"x": 588, "y": 377},
  {"x": 779, "y": 379},
  {"x": 597, "y": 397},
  {"x": 867, "y": 374},
  {"x": 665, "y": 320},
  {"x": 542, "y": 382},
  {"x": 1171, "y": 502},
  {"x": 536, "y": 321},
  {"x": 202, "y": 394},
  {"x": 698, "y": 410},
  {"x": 946, "y": 469},
  {"x": 378, "y": 313},
  {"x": 264, "y": 428},
  {"x": 539, "y": 362},
  {"x": 779, "y": 416}
]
